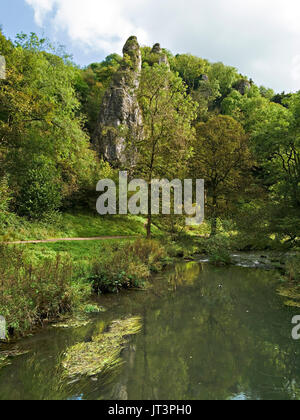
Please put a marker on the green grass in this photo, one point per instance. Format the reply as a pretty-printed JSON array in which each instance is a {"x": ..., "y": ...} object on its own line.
[
  {"x": 87, "y": 225},
  {"x": 33, "y": 291},
  {"x": 79, "y": 251},
  {"x": 56, "y": 279},
  {"x": 76, "y": 225}
]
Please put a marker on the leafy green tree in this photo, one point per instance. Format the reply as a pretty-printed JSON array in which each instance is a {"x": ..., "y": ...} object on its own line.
[
  {"x": 39, "y": 115},
  {"x": 39, "y": 190},
  {"x": 267, "y": 93},
  {"x": 251, "y": 109},
  {"x": 191, "y": 69},
  {"x": 91, "y": 85},
  {"x": 220, "y": 156},
  {"x": 226, "y": 76},
  {"x": 167, "y": 115},
  {"x": 276, "y": 142}
]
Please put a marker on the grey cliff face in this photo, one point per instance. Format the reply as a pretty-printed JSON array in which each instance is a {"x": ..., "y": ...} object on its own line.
[
  {"x": 156, "y": 49},
  {"x": 204, "y": 78},
  {"x": 242, "y": 86},
  {"x": 120, "y": 115},
  {"x": 162, "y": 57}
]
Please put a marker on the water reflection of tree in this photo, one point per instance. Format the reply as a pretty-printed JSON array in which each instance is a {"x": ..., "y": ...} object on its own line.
[
  {"x": 209, "y": 333},
  {"x": 223, "y": 336}
]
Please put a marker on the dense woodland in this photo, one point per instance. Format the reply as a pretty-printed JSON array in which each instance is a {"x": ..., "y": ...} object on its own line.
[
  {"x": 209, "y": 121},
  {"x": 244, "y": 140}
]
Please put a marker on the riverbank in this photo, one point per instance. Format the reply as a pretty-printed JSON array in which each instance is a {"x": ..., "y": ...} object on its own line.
[
  {"x": 43, "y": 282},
  {"x": 77, "y": 224},
  {"x": 197, "y": 340},
  {"x": 59, "y": 279}
]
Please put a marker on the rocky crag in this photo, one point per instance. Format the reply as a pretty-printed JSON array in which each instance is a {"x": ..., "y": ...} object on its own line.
[
  {"x": 120, "y": 116},
  {"x": 161, "y": 56}
]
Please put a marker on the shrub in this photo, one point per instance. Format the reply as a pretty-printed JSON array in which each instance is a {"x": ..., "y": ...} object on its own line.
[
  {"x": 148, "y": 252},
  {"x": 126, "y": 266},
  {"x": 31, "y": 294},
  {"x": 6, "y": 217},
  {"x": 218, "y": 249},
  {"x": 118, "y": 271},
  {"x": 39, "y": 192},
  {"x": 293, "y": 267}
]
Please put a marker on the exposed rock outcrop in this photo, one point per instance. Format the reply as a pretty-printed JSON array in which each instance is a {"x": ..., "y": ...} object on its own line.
[
  {"x": 156, "y": 49},
  {"x": 120, "y": 116},
  {"x": 162, "y": 57},
  {"x": 204, "y": 78},
  {"x": 242, "y": 86}
]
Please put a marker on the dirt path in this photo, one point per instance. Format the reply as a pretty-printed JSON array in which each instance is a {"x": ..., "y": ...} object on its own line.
[{"x": 45, "y": 241}]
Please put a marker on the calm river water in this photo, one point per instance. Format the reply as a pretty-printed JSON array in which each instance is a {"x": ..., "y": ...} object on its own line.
[{"x": 208, "y": 333}]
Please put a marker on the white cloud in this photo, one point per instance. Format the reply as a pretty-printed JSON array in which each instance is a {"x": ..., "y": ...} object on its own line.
[
  {"x": 41, "y": 9},
  {"x": 260, "y": 37},
  {"x": 296, "y": 68},
  {"x": 94, "y": 24}
]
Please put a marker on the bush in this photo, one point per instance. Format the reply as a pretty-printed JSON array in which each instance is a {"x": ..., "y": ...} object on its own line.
[
  {"x": 39, "y": 192},
  {"x": 31, "y": 294},
  {"x": 218, "y": 249},
  {"x": 6, "y": 217},
  {"x": 127, "y": 266},
  {"x": 293, "y": 267},
  {"x": 148, "y": 252}
]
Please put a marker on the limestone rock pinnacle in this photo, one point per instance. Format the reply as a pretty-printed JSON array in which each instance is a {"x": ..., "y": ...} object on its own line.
[{"x": 120, "y": 115}]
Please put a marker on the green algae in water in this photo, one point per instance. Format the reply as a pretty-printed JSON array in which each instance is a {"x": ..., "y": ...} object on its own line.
[
  {"x": 291, "y": 292},
  {"x": 93, "y": 309},
  {"x": 72, "y": 323},
  {"x": 292, "y": 303},
  {"x": 5, "y": 356},
  {"x": 4, "y": 361},
  {"x": 103, "y": 352},
  {"x": 81, "y": 319}
]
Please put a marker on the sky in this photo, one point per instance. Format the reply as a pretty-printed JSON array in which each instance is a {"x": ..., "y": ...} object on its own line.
[{"x": 261, "y": 38}]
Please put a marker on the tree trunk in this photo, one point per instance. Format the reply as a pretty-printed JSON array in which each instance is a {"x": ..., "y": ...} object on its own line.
[
  {"x": 149, "y": 224},
  {"x": 213, "y": 226},
  {"x": 149, "y": 216},
  {"x": 214, "y": 218}
]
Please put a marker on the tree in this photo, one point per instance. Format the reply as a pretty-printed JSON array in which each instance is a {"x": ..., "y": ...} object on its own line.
[
  {"x": 250, "y": 109},
  {"x": 167, "y": 115},
  {"x": 276, "y": 143},
  {"x": 39, "y": 115},
  {"x": 225, "y": 75},
  {"x": 39, "y": 191},
  {"x": 220, "y": 156},
  {"x": 91, "y": 84},
  {"x": 190, "y": 69}
]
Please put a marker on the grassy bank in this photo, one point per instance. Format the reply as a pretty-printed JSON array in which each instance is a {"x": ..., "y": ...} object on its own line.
[
  {"x": 41, "y": 283},
  {"x": 34, "y": 291},
  {"x": 74, "y": 225},
  {"x": 44, "y": 282},
  {"x": 290, "y": 288}
]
